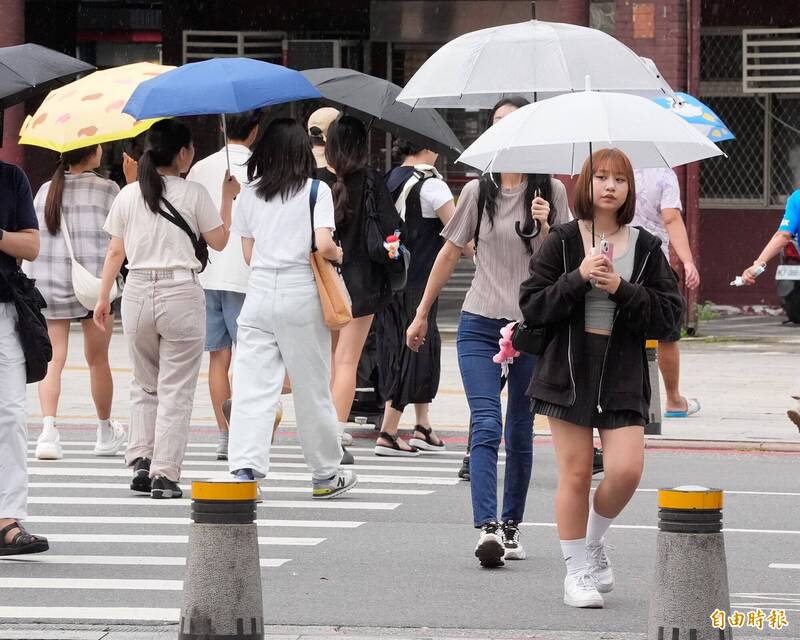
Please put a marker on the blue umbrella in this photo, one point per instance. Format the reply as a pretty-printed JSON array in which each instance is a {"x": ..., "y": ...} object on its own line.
[
  {"x": 699, "y": 115},
  {"x": 219, "y": 85}
]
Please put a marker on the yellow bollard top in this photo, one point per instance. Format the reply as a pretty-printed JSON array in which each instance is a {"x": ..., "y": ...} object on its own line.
[
  {"x": 689, "y": 497},
  {"x": 224, "y": 490},
  {"x": 651, "y": 344}
]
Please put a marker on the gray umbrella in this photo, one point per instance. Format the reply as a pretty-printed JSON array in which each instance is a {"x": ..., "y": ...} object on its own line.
[
  {"x": 28, "y": 70},
  {"x": 374, "y": 100}
]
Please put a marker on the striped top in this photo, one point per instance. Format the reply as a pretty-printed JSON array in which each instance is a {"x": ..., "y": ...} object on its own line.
[
  {"x": 87, "y": 200},
  {"x": 502, "y": 263}
]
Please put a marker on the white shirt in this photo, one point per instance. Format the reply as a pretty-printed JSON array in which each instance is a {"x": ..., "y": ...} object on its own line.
[
  {"x": 433, "y": 195},
  {"x": 152, "y": 241},
  {"x": 226, "y": 270},
  {"x": 282, "y": 230},
  {"x": 656, "y": 190}
]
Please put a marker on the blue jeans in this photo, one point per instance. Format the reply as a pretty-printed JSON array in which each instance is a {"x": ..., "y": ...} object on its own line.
[
  {"x": 477, "y": 343},
  {"x": 222, "y": 311}
]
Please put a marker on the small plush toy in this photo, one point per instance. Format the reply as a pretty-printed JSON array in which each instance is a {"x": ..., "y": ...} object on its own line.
[
  {"x": 392, "y": 245},
  {"x": 507, "y": 351}
]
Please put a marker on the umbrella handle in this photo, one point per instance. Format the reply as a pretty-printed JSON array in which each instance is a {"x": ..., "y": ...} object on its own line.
[{"x": 537, "y": 228}]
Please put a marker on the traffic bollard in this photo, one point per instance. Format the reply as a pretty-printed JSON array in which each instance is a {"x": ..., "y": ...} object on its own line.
[
  {"x": 222, "y": 584},
  {"x": 653, "y": 427},
  {"x": 691, "y": 577}
]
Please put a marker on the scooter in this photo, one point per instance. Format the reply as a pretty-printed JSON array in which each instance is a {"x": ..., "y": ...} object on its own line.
[{"x": 788, "y": 279}]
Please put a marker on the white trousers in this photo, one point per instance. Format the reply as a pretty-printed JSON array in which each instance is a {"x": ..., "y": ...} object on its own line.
[
  {"x": 13, "y": 419},
  {"x": 281, "y": 329}
]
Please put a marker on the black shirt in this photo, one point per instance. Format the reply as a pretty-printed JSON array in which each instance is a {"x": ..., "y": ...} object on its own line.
[{"x": 16, "y": 213}]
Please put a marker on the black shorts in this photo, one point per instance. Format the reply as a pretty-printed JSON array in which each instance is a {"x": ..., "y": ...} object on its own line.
[{"x": 587, "y": 385}]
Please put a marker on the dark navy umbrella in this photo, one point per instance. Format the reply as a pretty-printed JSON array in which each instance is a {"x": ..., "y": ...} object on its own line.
[{"x": 374, "y": 100}]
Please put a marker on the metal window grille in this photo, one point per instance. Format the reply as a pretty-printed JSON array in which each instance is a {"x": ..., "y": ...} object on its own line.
[
  {"x": 261, "y": 45},
  {"x": 771, "y": 61}
]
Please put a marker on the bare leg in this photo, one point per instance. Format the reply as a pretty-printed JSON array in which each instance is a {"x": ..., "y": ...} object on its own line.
[
  {"x": 95, "y": 350},
  {"x": 348, "y": 352},
  {"x": 574, "y": 449},
  {"x": 219, "y": 385},
  {"x": 623, "y": 461},
  {"x": 50, "y": 386},
  {"x": 669, "y": 363}
]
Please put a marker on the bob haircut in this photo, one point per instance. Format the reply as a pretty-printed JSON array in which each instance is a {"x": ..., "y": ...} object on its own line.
[{"x": 611, "y": 160}]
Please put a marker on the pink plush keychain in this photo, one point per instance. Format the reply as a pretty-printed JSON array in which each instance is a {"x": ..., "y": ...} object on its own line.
[{"x": 507, "y": 351}]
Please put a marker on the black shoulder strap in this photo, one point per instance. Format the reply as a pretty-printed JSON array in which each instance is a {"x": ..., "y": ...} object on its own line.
[
  {"x": 312, "y": 203},
  {"x": 481, "y": 206},
  {"x": 177, "y": 219}
]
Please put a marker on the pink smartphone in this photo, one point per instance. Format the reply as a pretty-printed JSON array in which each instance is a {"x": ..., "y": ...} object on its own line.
[{"x": 607, "y": 249}]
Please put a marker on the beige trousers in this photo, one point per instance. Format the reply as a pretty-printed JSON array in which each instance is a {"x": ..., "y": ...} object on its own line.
[{"x": 164, "y": 321}]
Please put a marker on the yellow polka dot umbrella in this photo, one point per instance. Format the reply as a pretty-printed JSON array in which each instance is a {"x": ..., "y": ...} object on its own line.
[{"x": 89, "y": 111}]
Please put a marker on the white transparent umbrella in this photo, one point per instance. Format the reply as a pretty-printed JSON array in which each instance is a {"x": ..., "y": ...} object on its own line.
[{"x": 534, "y": 59}]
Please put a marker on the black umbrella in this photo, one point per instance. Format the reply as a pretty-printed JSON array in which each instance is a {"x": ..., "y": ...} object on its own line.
[
  {"x": 28, "y": 70},
  {"x": 374, "y": 101}
]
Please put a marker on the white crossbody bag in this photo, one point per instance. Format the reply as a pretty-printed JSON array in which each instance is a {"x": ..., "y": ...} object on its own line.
[{"x": 84, "y": 282}]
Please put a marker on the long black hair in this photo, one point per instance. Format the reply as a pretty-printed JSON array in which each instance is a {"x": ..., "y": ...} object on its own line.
[
  {"x": 165, "y": 139},
  {"x": 282, "y": 161},
  {"x": 55, "y": 193},
  {"x": 345, "y": 151},
  {"x": 490, "y": 184}
]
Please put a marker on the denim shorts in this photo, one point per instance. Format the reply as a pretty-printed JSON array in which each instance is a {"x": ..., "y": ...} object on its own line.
[{"x": 222, "y": 312}]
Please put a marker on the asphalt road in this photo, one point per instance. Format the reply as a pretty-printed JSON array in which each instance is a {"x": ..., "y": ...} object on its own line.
[{"x": 396, "y": 554}]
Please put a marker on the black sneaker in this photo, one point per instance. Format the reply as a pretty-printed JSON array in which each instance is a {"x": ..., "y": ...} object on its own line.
[
  {"x": 463, "y": 472},
  {"x": 141, "y": 475},
  {"x": 165, "y": 488},
  {"x": 597, "y": 461},
  {"x": 490, "y": 550},
  {"x": 514, "y": 548}
]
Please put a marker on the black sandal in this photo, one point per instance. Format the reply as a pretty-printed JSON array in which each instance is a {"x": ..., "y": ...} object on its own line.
[
  {"x": 395, "y": 450},
  {"x": 427, "y": 443},
  {"x": 23, "y": 542}
]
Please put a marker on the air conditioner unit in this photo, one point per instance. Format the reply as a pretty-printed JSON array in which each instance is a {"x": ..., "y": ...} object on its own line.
[
  {"x": 314, "y": 54},
  {"x": 261, "y": 45},
  {"x": 771, "y": 60}
]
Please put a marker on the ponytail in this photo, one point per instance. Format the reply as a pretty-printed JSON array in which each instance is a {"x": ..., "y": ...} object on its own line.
[
  {"x": 346, "y": 152},
  {"x": 55, "y": 193},
  {"x": 165, "y": 139}
]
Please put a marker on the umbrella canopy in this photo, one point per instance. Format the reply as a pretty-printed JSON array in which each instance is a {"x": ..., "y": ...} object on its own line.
[
  {"x": 557, "y": 135},
  {"x": 89, "y": 111},
  {"x": 534, "y": 59},
  {"x": 375, "y": 101},
  {"x": 28, "y": 70},
  {"x": 218, "y": 85},
  {"x": 699, "y": 115}
]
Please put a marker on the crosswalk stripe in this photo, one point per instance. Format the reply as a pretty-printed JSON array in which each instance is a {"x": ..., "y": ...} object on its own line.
[
  {"x": 266, "y": 489},
  {"x": 161, "y": 539},
  {"x": 118, "y": 614},
  {"x": 91, "y": 583},
  {"x": 150, "y": 561},
  {"x": 224, "y": 464},
  {"x": 148, "y": 520},
  {"x": 177, "y": 502},
  {"x": 190, "y": 474}
]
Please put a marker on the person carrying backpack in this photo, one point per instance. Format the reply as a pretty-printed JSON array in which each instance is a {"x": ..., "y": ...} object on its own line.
[
  {"x": 425, "y": 203},
  {"x": 499, "y": 213}
]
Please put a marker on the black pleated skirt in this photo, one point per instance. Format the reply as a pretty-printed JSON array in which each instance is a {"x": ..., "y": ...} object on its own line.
[
  {"x": 587, "y": 386},
  {"x": 406, "y": 377}
]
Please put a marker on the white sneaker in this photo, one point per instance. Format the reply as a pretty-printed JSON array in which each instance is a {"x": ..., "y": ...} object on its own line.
[
  {"x": 347, "y": 439},
  {"x": 600, "y": 566},
  {"x": 490, "y": 550},
  {"x": 48, "y": 445},
  {"x": 112, "y": 446},
  {"x": 343, "y": 481},
  {"x": 581, "y": 591},
  {"x": 514, "y": 548}
]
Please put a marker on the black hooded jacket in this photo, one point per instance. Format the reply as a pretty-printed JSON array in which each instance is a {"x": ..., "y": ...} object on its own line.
[{"x": 649, "y": 306}]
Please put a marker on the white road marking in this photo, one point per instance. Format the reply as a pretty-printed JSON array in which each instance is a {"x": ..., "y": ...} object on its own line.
[
  {"x": 779, "y": 565},
  {"x": 789, "y": 494},
  {"x": 91, "y": 583},
  {"x": 647, "y": 527},
  {"x": 142, "y": 501},
  {"x": 90, "y": 613},
  {"x": 310, "y": 524},
  {"x": 267, "y": 489},
  {"x": 161, "y": 539},
  {"x": 152, "y": 561}
]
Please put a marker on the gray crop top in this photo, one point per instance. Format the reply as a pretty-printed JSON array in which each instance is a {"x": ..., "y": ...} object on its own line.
[{"x": 599, "y": 307}]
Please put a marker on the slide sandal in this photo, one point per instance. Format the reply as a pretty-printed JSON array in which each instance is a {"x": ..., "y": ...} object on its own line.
[{"x": 692, "y": 407}]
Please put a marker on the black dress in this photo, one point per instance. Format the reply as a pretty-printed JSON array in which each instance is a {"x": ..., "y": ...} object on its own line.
[
  {"x": 407, "y": 377},
  {"x": 367, "y": 282}
]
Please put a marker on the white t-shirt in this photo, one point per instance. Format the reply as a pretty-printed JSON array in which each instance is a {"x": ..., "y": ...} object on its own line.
[
  {"x": 226, "y": 270},
  {"x": 282, "y": 230},
  {"x": 434, "y": 194},
  {"x": 152, "y": 241}
]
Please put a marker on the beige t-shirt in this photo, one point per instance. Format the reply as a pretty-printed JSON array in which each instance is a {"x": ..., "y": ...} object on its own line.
[
  {"x": 152, "y": 241},
  {"x": 502, "y": 263}
]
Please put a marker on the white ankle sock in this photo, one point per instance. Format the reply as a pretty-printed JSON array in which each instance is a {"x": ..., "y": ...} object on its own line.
[
  {"x": 597, "y": 526},
  {"x": 574, "y": 552},
  {"x": 48, "y": 423}
]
